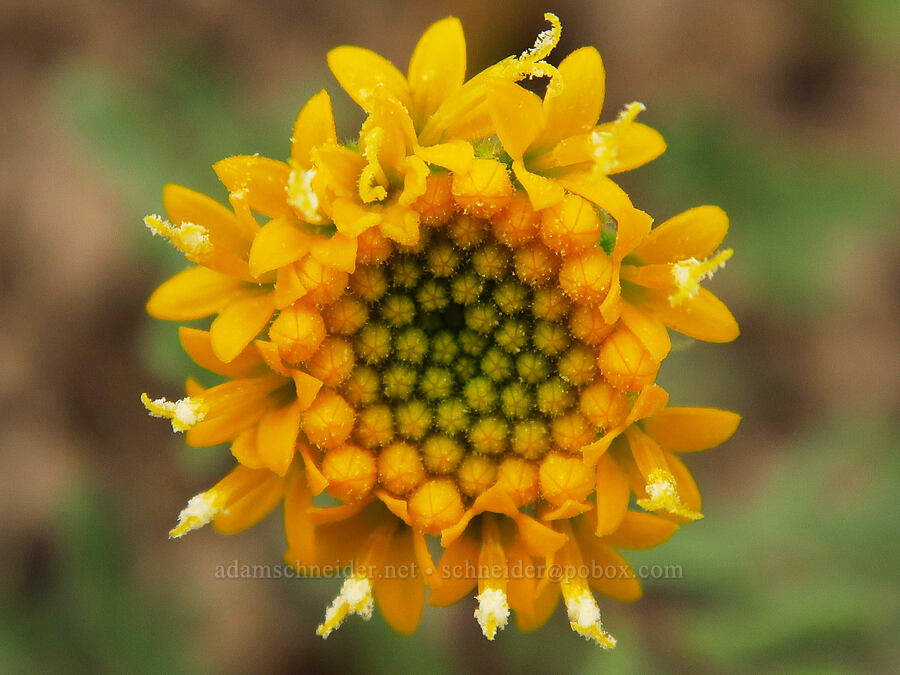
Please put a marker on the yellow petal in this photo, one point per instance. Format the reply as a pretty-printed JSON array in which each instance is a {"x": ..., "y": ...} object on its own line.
[
  {"x": 184, "y": 205},
  {"x": 652, "y": 399},
  {"x": 279, "y": 243},
  {"x": 314, "y": 127},
  {"x": 401, "y": 224},
  {"x": 244, "y": 449},
  {"x": 198, "y": 346},
  {"x": 592, "y": 452},
  {"x": 456, "y": 571},
  {"x": 640, "y": 531},
  {"x": 569, "y": 509},
  {"x": 425, "y": 561},
  {"x": 691, "y": 429},
  {"x": 288, "y": 286},
  {"x": 307, "y": 388},
  {"x": 437, "y": 67},
  {"x": 276, "y": 437},
  {"x": 299, "y": 530},
  {"x": 516, "y": 114},
  {"x": 314, "y": 477},
  {"x": 576, "y": 108},
  {"x": 192, "y": 294},
  {"x": 615, "y": 578},
  {"x": 351, "y": 219},
  {"x": 455, "y": 156},
  {"x": 545, "y": 603},
  {"x": 539, "y": 539},
  {"x": 238, "y": 324},
  {"x": 222, "y": 429},
  {"x": 695, "y": 233},
  {"x": 636, "y": 144},
  {"x": 648, "y": 329},
  {"x": 338, "y": 543},
  {"x": 268, "y": 352},
  {"x": 632, "y": 228},
  {"x": 542, "y": 192},
  {"x": 337, "y": 251},
  {"x": 703, "y": 316},
  {"x": 400, "y": 591},
  {"x": 597, "y": 189},
  {"x": 612, "y": 495},
  {"x": 264, "y": 179},
  {"x": 363, "y": 73},
  {"x": 338, "y": 169},
  {"x": 252, "y": 507}
]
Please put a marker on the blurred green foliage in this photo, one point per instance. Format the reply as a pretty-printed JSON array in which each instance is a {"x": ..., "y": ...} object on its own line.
[{"x": 94, "y": 615}]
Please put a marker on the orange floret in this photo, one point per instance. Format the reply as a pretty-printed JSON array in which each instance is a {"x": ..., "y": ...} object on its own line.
[
  {"x": 350, "y": 471},
  {"x": 436, "y": 505},
  {"x": 328, "y": 421},
  {"x": 625, "y": 362},
  {"x": 333, "y": 363},
  {"x": 586, "y": 277},
  {"x": 346, "y": 316},
  {"x": 468, "y": 231},
  {"x": 400, "y": 468},
  {"x": 588, "y": 325},
  {"x": 565, "y": 478},
  {"x": 298, "y": 331},
  {"x": 372, "y": 247},
  {"x": 476, "y": 474},
  {"x": 436, "y": 206},
  {"x": 517, "y": 223},
  {"x": 572, "y": 431},
  {"x": 519, "y": 479},
  {"x": 324, "y": 284},
  {"x": 369, "y": 283},
  {"x": 484, "y": 189},
  {"x": 441, "y": 454},
  {"x": 604, "y": 406},
  {"x": 571, "y": 226},
  {"x": 535, "y": 264},
  {"x": 374, "y": 426}
]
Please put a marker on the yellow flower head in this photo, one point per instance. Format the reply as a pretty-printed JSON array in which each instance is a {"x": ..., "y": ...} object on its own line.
[{"x": 453, "y": 327}]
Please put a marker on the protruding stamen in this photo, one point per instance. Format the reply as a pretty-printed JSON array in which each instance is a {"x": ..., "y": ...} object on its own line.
[
  {"x": 200, "y": 510},
  {"x": 355, "y": 598},
  {"x": 662, "y": 493},
  {"x": 184, "y": 413},
  {"x": 545, "y": 42},
  {"x": 606, "y": 143},
  {"x": 493, "y": 611},
  {"x": 190, "y": 239},
  {"x": 584, "y": 614},
  {"x": 689, "y": 273}
]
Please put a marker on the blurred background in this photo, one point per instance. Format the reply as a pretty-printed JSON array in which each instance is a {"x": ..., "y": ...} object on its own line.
[{"x": 782, "y": 112}]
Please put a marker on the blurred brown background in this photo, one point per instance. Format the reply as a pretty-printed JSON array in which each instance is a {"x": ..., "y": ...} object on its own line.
[{"x": 783, "y": 112}]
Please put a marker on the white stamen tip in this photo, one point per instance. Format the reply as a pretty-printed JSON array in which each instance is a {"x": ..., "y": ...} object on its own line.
[
  {"x": 190, "y": 239},
  {"x": 302, "y": 197},
  {"x": 184, "y": 413},
  {"x": 584, "y": 618},
  {"x": 355, "y": 598},
  {"x": 200, "y": 510},
  {"x": 493, "y": 611}
]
